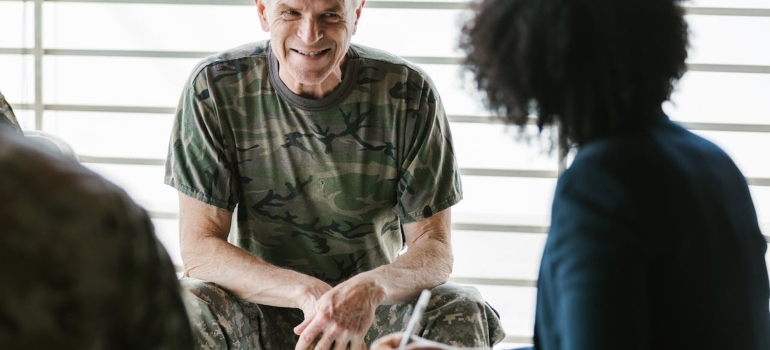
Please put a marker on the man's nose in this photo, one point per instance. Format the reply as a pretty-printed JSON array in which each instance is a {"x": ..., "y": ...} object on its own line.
[{"x": 310, "y": 31}]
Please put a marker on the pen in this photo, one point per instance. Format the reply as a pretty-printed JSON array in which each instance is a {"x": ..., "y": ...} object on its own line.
[{"x": 422, "y": 302}]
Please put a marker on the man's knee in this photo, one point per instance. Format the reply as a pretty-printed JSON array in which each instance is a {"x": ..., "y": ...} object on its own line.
[
  {"x": 208, "y": 292},
  {"x": 217, "y": 317},
  {"x": 458, "y": 296},
  {"x": 459, "y": 315},
  {"x": 211, "y": 302}
]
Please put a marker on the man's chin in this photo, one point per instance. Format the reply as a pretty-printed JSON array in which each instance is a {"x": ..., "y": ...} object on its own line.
[{"x": 313, "y": 78}]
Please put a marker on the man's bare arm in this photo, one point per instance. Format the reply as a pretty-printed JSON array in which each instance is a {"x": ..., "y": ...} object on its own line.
[
  {"x": 208, "y": 256},
  {"x": 426, "y": 263}
]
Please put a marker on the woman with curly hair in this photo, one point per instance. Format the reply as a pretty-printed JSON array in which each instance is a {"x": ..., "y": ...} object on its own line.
[{"x": 654, "y": 241}]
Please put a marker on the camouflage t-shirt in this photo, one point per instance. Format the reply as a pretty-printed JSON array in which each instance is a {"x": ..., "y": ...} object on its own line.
[
  {"x": 7, "y": 118},
  {"x": 321, "y": 186}
]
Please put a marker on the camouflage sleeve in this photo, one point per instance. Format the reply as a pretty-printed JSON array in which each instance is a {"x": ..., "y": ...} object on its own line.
[
  {"x": 430, "y": 180},
  {"x": 197, "y": 163},
  {"x": 7, "y": 118}
]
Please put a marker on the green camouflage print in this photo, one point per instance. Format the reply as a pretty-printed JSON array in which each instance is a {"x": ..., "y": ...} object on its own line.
[
  {"x": 456, "y": 315},
  {"x": 80, "y": 265},
  {"x": 7, "y": 118},
  {"x": 322, "y": 186},
  {"x": 218, "y": 318}
]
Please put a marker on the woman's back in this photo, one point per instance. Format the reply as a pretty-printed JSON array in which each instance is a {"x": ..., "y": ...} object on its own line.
[{"x": 654, "y": 243}]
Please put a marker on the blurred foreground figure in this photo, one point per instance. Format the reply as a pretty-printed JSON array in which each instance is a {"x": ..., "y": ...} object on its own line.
[
  {"x": 7, "y": 118},
  {"x": 654, "y": 241},
  {"x": 80, "y": 266}
]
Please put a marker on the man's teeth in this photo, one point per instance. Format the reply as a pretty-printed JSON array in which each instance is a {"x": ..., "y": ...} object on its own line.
[{"x": 311, "y": 54}]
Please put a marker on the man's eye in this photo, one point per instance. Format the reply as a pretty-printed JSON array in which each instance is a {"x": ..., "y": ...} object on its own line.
[
  {"x": 331, "y": 17},
  {"x": 290, "y": 15}
]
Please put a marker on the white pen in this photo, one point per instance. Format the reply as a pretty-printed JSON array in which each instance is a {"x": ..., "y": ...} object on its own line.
[{"x": 422, "y": 302}]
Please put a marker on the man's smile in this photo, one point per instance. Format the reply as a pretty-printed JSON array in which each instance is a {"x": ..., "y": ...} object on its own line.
[{"x": 310, "y": 53}]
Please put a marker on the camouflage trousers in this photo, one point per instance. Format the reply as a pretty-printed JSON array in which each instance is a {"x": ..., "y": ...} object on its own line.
[{"x": 456, "y": 315}]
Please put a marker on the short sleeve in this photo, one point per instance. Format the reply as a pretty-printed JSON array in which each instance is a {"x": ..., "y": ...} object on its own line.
[
  {"x": 197, "y": 163},
  {"x": 430, "y": 179}
]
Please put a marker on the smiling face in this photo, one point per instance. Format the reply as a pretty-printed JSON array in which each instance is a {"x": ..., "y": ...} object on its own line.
[{"x": 310, "y": 39}]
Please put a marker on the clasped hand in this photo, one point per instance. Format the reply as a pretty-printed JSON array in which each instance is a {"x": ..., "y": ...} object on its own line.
[{"x": 340, "y": 318}]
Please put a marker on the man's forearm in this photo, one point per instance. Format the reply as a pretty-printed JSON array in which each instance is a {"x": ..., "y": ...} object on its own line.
[
  {"x": 208, "y": 256},
  {"x": 247, "y": 276},
  {"x": 426, "y": 264}
]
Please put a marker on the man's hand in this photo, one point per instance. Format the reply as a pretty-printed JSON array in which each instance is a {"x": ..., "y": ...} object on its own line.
[
  {"x": 341, "y": 317},
  {"x": 392, "y": 341},
  {"x": 313, "y": 293}
]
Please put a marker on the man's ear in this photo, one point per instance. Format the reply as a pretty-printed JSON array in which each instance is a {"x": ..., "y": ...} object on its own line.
[
  {"x": 262, "y": 12},
  {"x": 358, "y": 15}
]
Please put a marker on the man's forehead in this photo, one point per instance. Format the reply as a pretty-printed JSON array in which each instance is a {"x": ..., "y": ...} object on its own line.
[{"x": 309, "y": 3}]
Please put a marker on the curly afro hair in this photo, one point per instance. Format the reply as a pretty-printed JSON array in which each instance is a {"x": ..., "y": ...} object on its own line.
[{"x": 596, "y": 68}]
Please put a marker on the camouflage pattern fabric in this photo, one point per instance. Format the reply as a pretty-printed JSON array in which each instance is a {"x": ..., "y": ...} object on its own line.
[
  {"x": 7, "y": 118},
  {"x": 79, "y": 262},
  {"x": 456, "y": 315},
  {"x": 321, "y": 186}
]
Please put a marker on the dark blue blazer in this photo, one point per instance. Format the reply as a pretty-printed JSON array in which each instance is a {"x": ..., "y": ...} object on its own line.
[{"x": 654, "y": 244}]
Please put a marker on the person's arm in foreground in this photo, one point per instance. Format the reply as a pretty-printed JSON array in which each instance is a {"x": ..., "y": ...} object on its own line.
[
  {"x": 343, "y": 315},
  {"x": 208, "y": 256}
]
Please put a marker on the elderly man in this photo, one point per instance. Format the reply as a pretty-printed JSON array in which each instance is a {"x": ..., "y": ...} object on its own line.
[{"x": 335, "y": 156}]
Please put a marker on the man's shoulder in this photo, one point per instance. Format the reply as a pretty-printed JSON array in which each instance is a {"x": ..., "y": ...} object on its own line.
[
  {"x": 255, "y": 50},
  {"x": 385, "y": 57},
  {"x": 386, "y": 60}
]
